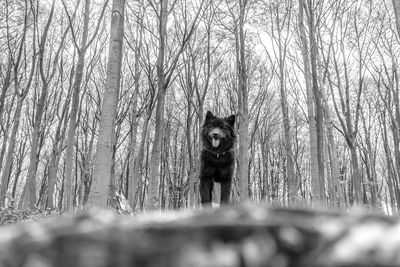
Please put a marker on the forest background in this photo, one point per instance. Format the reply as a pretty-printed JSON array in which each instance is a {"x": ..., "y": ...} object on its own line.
[{"x": 90, "y": 112}]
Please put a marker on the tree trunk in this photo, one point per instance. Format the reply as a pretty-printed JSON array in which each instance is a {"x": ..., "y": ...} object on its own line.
[
  {"x": 243, "y": 169},
  {"x": 87, "y": 168},
  {"x": 69, "y": 159},
  {"x": 290, "y": 174},
  {"x": 59, "y": 138},
  {"x": 18, "y": 168},
  {"x": 396, "y": 6},
  {"x": 391, "y": 174},
  {"x": 315, "y": 181},
  {"x": 317, "y": 103},
  {"x": 101, "y": 189},
  {"x": 153, "y": 198},
  {"x": 153, "y": 195},
  {"x": 28, "y": 198},
  {"x": 138, "y": 168},
  {"x": 190, "y": 149},
  {"x": 132, "y": 179},
  {"x": 10, "y": 153},
  {"x": 336, "y": 195},
  {"x": 356, "y": 175},
  {"x": 17, "y": 114},
  {"x": 6, "y": 85}
]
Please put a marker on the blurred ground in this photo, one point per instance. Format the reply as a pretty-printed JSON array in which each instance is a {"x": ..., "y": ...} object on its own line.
[{"x": 237, "y": 236}]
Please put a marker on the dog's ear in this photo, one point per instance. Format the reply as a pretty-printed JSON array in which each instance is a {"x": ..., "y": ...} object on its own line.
[
  {"x": 209, "y": 116},
  {"x": 231, "y": 120}
]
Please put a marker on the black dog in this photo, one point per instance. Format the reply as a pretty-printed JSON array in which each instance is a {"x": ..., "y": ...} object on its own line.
[{"x": 217, "y": 157}]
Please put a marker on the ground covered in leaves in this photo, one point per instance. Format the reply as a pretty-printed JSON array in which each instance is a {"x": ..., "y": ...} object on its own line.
[{"x": 12, "y": 215}]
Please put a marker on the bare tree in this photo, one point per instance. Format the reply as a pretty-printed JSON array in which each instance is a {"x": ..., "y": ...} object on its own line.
[
  {"x": 243, "y": 96},
  {"x": 81, "y": 49},
  {"x": 348, "y": 115},
  {"x": 281, "y": 13},
  {"x": 21, "y": 95},
  {"x": 133, "y": 180},
  {"x": 165, "y": 73},
  {"x": 28, "y": 198},
  {"x": 103, "y": 172},
  {"x": 314, "y": 99}
]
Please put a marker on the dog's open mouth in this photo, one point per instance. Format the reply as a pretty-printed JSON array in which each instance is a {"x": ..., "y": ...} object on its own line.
[
  {"x": 215, "y": 141},
  {"x": 216, "y": 135}
]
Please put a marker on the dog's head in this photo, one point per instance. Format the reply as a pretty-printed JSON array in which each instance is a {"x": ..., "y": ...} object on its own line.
[{"x": 219, "y": 133}]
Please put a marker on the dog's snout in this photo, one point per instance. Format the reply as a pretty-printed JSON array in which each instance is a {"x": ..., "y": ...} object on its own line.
[{"x": 215, "y": 136}]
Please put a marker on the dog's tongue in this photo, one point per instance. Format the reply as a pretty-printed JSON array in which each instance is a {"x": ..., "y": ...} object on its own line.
[{"x": 215, "y": 142}]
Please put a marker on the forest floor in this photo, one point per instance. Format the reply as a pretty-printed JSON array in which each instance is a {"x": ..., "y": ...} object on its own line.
[
  {"x": 237, "y": 235},
  {"x": 12, "y": 215}
]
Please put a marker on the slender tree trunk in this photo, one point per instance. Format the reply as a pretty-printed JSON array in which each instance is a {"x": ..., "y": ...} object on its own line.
[
  {"x": 18, "y": 167},
  {"x": 291, "y": 178},
  {"x": 6, "y": 85},
  {"x": 288, "y": 146},
  {"x": 396, "y": 6},
  {"x": 264, "y": 159},
  {"x": 333, "y": 180},
  {"x": 101, "y": 188},
  {"x": 244, "y": 111},
  {"x": 389, "y": 166},
  {"x": 336, "y": 195},
  {"x": 164, "y": 77},
  {"x": 138, "y": 169},
  {"x": 10, "y": 153},
  {"x": 3, "y": 146},
  {"x": 28, "y": 198},
  {"x": 153, "y": 196},
  {"x": 315, "y": 181},
  {"x": 356, "y": 174},
  {"x": 317, "y": 103},
  {"x": 74, "y": 110},
  {"x": 17, "y": 115},
  {"x": 87, "y": 168},
  {"x": 190, "y": 148},
  {"x": 132, "y": 179},
  {"x": 56, "y": 153}
]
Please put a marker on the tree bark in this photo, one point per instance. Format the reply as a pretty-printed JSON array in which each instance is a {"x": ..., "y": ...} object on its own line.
[
  {"x": 315, "y": 181},
  {"x": 21, "y": 95},
  {"x": 138, "y": 169},
  {"x": 164, "y": 78},
  {"x": 153, "y": 194},
  {"x": 69, "y": 159},
  {"x": 101, "y": 188},
  {"x": 317, "y": 103},
  {"x": 28, "y": 198},
  {"x": 391, "y": 173},
  {"x": 10, "y": 153},
  {"x": 59, "y": 138},
  {"x": 282, "y": 54},
  {"x": 396, "y": 6},
  {"x": 243, "y": 168},
  {"x": 133, "y": 180}
]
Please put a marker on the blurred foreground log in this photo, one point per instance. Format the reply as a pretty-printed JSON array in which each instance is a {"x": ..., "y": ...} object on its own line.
[{"x": 243, "y": 236}]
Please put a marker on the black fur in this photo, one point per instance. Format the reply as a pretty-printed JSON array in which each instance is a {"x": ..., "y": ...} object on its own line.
[{"x": 217, "y": 163}]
